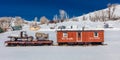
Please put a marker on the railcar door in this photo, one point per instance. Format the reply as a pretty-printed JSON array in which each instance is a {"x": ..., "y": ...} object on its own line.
[{"x": 79, "y": 36}]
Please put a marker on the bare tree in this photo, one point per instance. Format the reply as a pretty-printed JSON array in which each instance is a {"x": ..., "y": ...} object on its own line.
[
  {"x": 55, "y": 19},
  {"x": 111, "y": 11},
  {"x": 84, "y": 18},
  {"x": 63, "y": 15},
  {"x": 44, "y": 20},
  {"x": 103, "y": 16},
  {"x": 19, "y": 21},
  {"x": 5, "y": 22}
]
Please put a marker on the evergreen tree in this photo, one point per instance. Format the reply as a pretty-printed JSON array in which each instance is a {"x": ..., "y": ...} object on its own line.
[{"x": 1, "y": 30}]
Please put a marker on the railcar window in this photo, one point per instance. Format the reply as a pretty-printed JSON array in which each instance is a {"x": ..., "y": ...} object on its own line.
[
  {"x": 95, "y": 34},
  {"x": 65, "y": 34}
]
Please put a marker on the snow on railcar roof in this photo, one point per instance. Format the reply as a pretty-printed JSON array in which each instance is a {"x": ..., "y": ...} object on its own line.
[{"x": 85, "y": 29}]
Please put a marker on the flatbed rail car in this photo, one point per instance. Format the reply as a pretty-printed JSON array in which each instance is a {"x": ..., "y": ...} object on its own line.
[
  {"x": 28, "y": 43},
  {"x": 25, "y": 40}
]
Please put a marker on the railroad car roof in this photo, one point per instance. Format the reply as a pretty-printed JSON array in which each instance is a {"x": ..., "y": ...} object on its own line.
[{"x": 88, "y": 29}]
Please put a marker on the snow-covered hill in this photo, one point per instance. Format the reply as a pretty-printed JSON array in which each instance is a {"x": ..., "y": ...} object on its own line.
[
  {"x": 94, "y": 19},
  {"x": 112, "y": 11}
]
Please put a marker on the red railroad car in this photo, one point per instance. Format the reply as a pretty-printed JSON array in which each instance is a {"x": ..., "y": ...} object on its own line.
[{"x": 82, "y": 37}]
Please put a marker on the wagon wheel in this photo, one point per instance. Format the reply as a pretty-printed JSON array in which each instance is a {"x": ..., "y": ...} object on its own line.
[
  {"x": 30, "y": 38},
  {"x": 13, "y": 39}
]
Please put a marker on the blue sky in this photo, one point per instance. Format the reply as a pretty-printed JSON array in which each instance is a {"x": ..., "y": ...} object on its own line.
[{"x": 28, "y": 9}]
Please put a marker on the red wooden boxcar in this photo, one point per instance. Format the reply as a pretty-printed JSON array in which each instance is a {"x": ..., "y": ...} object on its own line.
[{"x": 80, "y": 37}]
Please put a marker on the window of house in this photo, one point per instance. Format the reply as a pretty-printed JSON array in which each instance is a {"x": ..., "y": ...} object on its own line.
[
  {"x": 65, "y": 34},
  {"x": 95, "y": 34}
]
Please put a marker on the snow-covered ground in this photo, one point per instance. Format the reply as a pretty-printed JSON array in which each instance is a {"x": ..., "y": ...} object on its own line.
[
  {"x": 61, "y": 53},
  {"x": 107, "y": 52}
]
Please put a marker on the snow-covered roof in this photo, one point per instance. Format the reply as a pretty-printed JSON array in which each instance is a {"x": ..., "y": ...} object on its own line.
[{"x": 85, "y": 29}]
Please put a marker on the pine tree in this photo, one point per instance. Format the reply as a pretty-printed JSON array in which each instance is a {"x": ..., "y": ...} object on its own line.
[{"x": 1, "y": 30}]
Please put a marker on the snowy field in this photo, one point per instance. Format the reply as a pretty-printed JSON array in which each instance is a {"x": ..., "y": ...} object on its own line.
[{"x": 107, "y": 52}]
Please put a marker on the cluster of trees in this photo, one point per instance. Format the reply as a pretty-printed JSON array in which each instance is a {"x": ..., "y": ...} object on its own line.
[
  {"x": 19, "y": 21},
  {"x": 63, "y": 16},
  {"x": 103, "y": 15},
  {"x": 8, "y": 22},
  {"x": 5, "y": 22}
]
